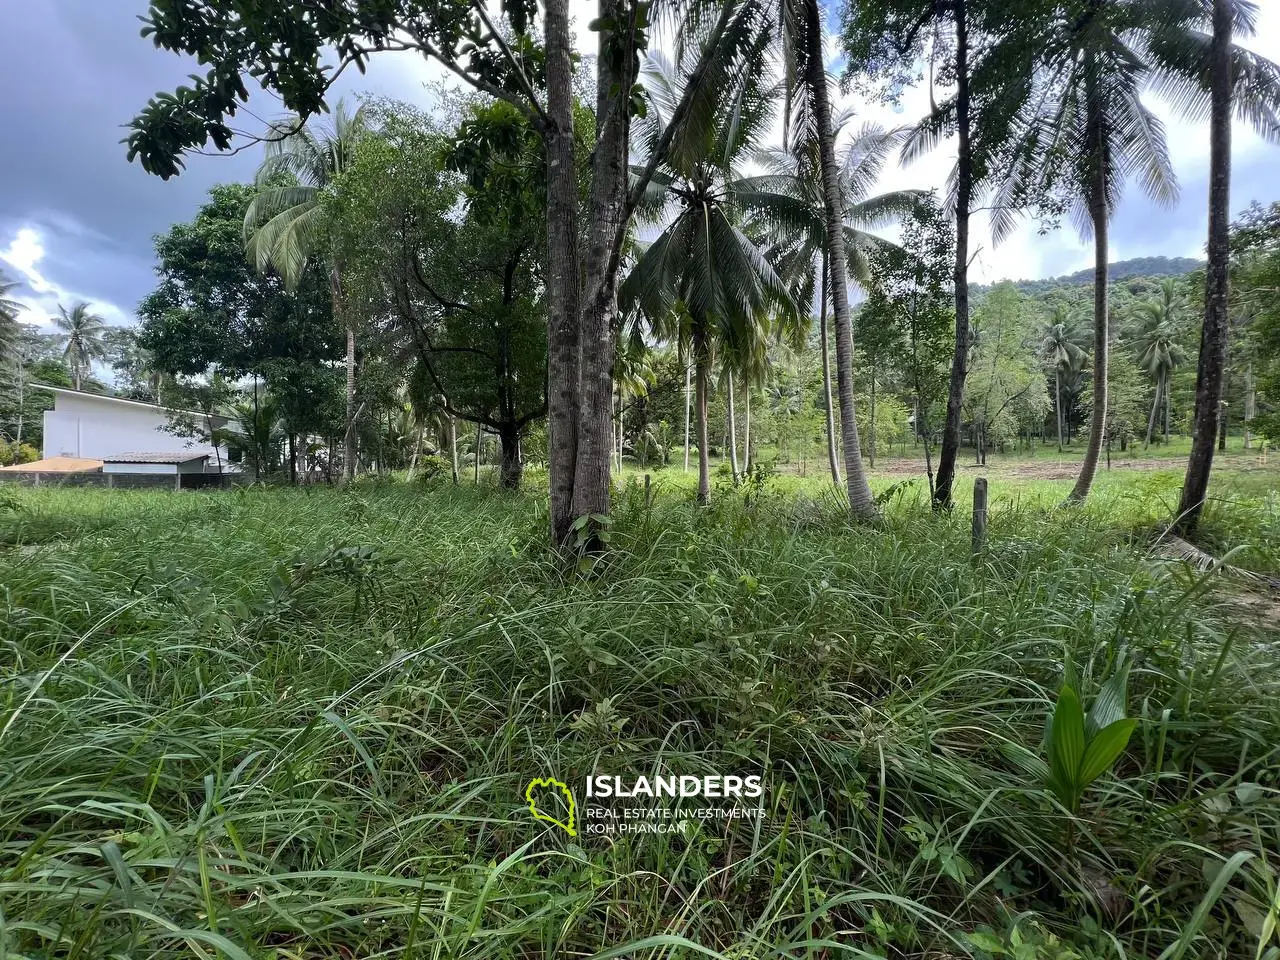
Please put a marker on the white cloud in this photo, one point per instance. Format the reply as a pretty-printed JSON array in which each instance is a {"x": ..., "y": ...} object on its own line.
[{"x": 40, "y": 296}]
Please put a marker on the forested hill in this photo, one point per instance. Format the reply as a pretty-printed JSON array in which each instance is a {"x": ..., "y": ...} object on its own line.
[{"x": 1120, "y": 270}]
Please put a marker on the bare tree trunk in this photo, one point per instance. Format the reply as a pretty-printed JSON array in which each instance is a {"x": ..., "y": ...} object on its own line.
[
  {"x": 1250, "y": 400},
  {"x": 861, "y": 502},
  {"x": 833, "y": 455},
  {"x": 702, "y": 368},
  {"x": 964, "y": 200},
  {"x": 871, "y": 424},
  {"x": 563, "y": 282},
  {"x": 1099, "y": 214},
  {"x": 1213, "y": 335},
  {"x": 512, "y": 469},
  {"x": 733, "y": 430},
  {"x": 1057, "y": 401},
  {"x": 1168, "y": 404},
  {"x": 349, "y": 417},
  {"x": 1151, "y": 421},
  {"x": 453, "y": 448},
  {"x": 746, "y": 396},
  {"x": 688, "y": 402},
  {"x": 479, "y": 447}
]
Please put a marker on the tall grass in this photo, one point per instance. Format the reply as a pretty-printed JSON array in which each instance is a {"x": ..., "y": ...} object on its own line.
[{"x": 287, "y": 724}]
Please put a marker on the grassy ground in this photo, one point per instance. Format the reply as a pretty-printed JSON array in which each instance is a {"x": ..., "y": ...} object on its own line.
[{"x": 274, "y": 723}]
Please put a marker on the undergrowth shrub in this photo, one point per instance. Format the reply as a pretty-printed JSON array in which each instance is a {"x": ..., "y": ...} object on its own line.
[{"x": 301, "y": 724}]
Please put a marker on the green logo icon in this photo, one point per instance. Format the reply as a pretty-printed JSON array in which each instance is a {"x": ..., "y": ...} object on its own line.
[{"x": 540, "y": 786}]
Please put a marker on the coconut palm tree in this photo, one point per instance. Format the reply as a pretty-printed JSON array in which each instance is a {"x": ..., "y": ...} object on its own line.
[
  {"x": 705, "y": 282},
  {"x": 1230, "y": 81},
  {"x": 788, "y": 200},
  {"x": 9, "y": 310},
  {"x": 808, "y": 92},
  {"x": 284, "y": 225},
  {"x": 1158, "y": 353},
  {"x": 1060, "y": 352},
  {"x": 1086, "y": 130},
  {"x": 83, "y": 338}
]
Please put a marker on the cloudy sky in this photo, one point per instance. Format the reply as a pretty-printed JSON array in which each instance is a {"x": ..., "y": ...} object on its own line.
[{"x": 76, "y": 219}]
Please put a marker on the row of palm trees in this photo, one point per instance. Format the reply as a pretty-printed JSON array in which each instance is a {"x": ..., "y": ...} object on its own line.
[
  {"x": 81, "y": 332},
  {"x": 1154, "y": 330}
]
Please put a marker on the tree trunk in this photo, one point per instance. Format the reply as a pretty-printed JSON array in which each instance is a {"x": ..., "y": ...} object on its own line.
[
  {"x": 1168, "y": 404},
  {"x": 732, "y": 424},
  {"x": 1151, "y": 421},
  {"x": 871, "y": 424},
  {"x": 861, "y": 503},
  {"x": 964, "y": 198},
  {"x": 453, "y": 448},
  {"x": 479, "y": 446},
  {"x": 702, "y": 368},
  {"x": 563, "y": 282},
  {"x": 1213, "y": 335},
  {"x": 833, "y": 455},
  {"x": 1099, "y": 214},
  {"x": 349, "y": 416},
  {"x": 1250, "y": 400},
  {"x": 1057, "y": 401},
  {"x": 688, "y": 402},
  {"x": 512, "y": 469}
]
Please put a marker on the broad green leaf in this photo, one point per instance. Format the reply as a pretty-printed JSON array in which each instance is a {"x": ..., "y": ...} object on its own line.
[
  {"x": 1066, "y": 745},
  {"x": 1110, "y": 703},
  {"x": 1104, "y": 749}
]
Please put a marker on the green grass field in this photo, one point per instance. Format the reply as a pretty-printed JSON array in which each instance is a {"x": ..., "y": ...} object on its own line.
[{"x": 273, "y": 723}]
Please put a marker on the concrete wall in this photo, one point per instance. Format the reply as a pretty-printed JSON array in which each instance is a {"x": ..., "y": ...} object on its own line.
[{"x": 87, "y": 426}]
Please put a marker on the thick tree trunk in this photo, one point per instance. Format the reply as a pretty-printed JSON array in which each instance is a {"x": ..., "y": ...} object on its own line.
[
  {"x": 833, "y": 455},
  {"x": 512, "y": 469},
  {"x": 1099, "y": 214},
  {"x": 1213, "y": 335},
  {"x": 608, "y": 206},
  {"x": 702, "y": 374},
  {"x": 964, "y": 200},
  {"x": 732, "y": 424},
  {"x": 861, "y": 502},
  {"x": 563, "y": 282}
]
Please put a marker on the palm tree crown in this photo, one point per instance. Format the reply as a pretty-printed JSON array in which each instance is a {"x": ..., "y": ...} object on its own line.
[
  {"x": 83, "y": 336},
  {"x": 283, "y": 225}
]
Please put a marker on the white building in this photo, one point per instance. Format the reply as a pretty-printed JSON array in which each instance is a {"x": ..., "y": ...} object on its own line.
[{"x": 94, "y": 427}]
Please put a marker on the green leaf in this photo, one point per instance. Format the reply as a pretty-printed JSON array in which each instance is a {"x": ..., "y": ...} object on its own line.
[
  {"x": 1066, "y": 745},
  {"x": 1104, "y": 749},
  {"x": 1110, "y": 703},
  {"x": 1025, "y": 760},
  {"x": 986, "y": 941}
]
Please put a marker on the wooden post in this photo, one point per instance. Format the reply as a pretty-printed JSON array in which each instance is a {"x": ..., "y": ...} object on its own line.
[
  {"x": 648, "y": 492},
  {"x": 979, "y": 514}
]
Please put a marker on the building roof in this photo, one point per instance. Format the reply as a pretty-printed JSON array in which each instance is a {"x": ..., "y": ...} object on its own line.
[
  {"x": 57, "y": 465},
  {"x": 135, "y": 457},
  {"x": 159, "y": 407}
]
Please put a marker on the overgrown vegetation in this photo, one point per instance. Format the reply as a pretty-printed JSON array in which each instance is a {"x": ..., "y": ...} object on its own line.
[{"x": 272, "y": 723}]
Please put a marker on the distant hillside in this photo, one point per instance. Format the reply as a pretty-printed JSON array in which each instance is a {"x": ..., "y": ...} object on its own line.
[
  {"x": 1120, "y": 270},
  {"x": 1139, "y": 267}
]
